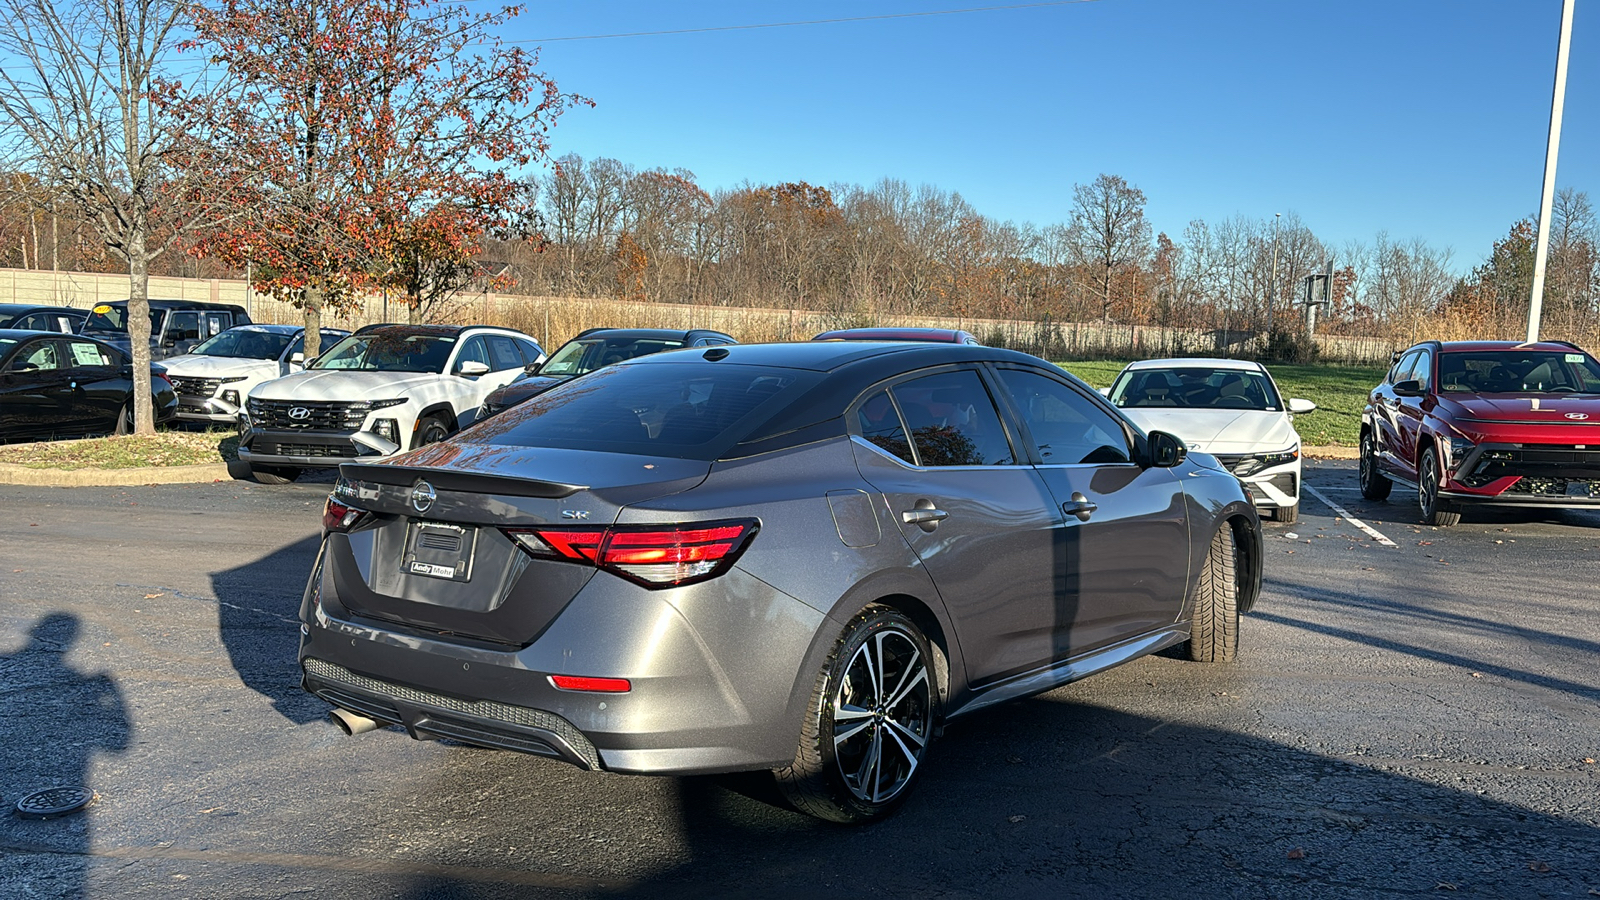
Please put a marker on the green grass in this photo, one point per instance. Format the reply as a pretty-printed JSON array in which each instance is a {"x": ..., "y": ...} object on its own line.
[
  {"x": 165, "y": 448},
  {"x": 1338, "y": 391}
]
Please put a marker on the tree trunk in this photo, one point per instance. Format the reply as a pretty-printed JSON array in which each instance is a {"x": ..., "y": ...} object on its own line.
[
  {"x": 312, "y": 307},
  {"x": 139, "y": 328}
]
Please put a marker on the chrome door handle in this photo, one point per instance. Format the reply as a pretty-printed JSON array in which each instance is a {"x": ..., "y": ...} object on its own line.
[
  {"x": 925, "y": 517},
  {"x": 1079, "y": 506}
]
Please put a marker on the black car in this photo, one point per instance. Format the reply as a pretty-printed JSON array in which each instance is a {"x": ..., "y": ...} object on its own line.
[
  {"x": 54, "y": 386},
  {"x": 592, "y": 350},
  {"x": 176, "y": 326},
  {"x": 32, "y": 317}
]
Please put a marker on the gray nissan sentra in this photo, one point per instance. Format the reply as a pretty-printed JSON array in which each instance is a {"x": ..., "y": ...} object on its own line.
[{"x": 795, "y": 557}]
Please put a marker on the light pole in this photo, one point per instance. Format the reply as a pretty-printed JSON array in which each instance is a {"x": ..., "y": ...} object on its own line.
[
  {"x": 1272, "y": 286},
  {"x": 1542, "y": 248}
]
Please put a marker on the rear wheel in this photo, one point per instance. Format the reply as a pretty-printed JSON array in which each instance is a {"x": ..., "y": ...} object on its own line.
[
  {"x": 1214, "y": 627},
  {"x": 1286, "y": 514},
  {"x": 869, "y": 723},
  {"x": 274, "y": 474},
  {"x": 1434, "y": 510},
  {"x": 124, "y": 420},
  {"x": 1374, "y": 486}
]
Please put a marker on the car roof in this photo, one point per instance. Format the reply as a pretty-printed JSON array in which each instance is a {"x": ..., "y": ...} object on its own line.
[
  {"x": 280, "y": 329},
  {"x": 1460, "y": 346},
  {"x": 889, "y": 333},
  {"x": 13, "y": 309},
  {"x": 1193, "y": 362},
  {"x": 828, "y": 356},
  {"x": 181, "y": 304},
  {"x": 417, "y": 330},
  {"x": 648, "y": 333}
]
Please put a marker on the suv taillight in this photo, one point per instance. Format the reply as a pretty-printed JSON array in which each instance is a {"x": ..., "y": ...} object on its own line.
[{"x": 656, "y": 556}]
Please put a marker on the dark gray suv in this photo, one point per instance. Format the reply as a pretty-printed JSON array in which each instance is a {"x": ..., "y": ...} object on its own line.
[{"x": 796, "y": 557}]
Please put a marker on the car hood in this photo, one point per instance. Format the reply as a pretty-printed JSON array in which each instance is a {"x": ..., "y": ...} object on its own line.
[
  {"x": 190, "y": 365},
  {"x": 525, "y": 387},
  {"x": 1221, "y": 430},
  {"x": 343, "y": 384},
  {"x": 1528, "y": 408}
]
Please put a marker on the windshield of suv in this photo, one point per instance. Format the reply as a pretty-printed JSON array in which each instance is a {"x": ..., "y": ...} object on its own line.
[
  {"x": 110, "y": 319},
  {"x": 389, "y": 351},
  {"x": 690, "y": 410},
  {"x": 584, "y": 355},
  {"x": 1200, "y": 387},
  {"x": 240, "y": 343},
  {"x": 1518, "y": 372}
]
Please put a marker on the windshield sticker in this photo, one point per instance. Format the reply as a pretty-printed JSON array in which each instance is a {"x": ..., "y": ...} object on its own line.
[
  {"x": 102, "y": 309},
  {"x": 87, "y": 355},
  {"x": 1574, "y": 357}
]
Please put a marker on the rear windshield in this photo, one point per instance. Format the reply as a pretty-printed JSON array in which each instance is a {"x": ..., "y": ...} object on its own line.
[
  {"x": 389, "y": 351},
  {"x": 1195, "y": 387},
  {"x": 1518, "y": 372},
  {"x": 245, "y": 344},
  {"x": 110, "y": 319},
  {"x": 689, "y": 410}
]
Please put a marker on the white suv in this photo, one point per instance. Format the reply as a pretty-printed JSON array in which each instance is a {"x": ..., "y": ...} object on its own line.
[
  {"x": 381, "y": 390},
  {"x": 214, "y": 377}
]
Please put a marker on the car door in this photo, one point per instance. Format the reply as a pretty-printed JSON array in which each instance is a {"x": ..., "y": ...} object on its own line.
[
  {"x": 1124, "y": 544},
  {"x": 100, "y": 386},
  {"x": 983, "y": 524},
  {"x": 35, "y": 391},
  {"x": 1410, "y": 411},
  {"x": 1385, "y": 408}
]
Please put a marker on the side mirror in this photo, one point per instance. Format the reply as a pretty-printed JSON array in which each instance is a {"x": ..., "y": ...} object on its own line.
[
  {"x": 1298, "y": 406},
  {"x": 1408, "y": 388},
  {"x": 298, "y": 359},
  {"x": 1105, "y": 392},
  {"x": 1166, "y": 450},
  {"x": 532, "y": 368},
  {"x": 472, "y": 368}
]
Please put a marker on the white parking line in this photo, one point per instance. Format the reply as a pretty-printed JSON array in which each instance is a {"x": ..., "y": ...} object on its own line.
[{"x": 1375, "y": 533}]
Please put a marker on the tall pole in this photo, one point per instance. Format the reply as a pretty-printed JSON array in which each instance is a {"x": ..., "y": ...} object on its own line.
[
  {"x": 1547, "y": 199},
  {"x": 1272, "y": 286}
]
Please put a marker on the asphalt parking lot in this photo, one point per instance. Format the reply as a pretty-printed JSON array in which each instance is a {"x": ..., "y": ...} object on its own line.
[{"x": 1405, "y": 720}]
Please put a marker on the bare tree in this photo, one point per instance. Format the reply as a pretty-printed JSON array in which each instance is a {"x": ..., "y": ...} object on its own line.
[
  {"x": 1109, "y": 231},
  {"x": 93, "y": 117}
]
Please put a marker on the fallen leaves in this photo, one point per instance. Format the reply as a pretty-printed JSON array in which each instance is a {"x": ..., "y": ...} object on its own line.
[
  {"x": 155, "y": 595},
  {"x": 1297, "y": 853}
]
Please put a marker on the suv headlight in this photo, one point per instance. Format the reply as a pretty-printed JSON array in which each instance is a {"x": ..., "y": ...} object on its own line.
[
  {"x": 1278, "y": 458},
  {"x": 1460, "y": 449}
]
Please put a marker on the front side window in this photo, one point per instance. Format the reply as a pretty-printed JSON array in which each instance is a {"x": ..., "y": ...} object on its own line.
[
  {"x": 473, "y": 350},
  {"x": 503, "y": 351},
  {"x": 40, "y": 357},
  {"x": 399, "y": 350},
  {"x": 1067, "y": 427},
  {"x": 183, "y": 326},
  {"x": 952, "y": 420}
]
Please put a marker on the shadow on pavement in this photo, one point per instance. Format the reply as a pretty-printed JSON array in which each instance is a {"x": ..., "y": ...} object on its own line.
[{"x": 258, "y": 607}]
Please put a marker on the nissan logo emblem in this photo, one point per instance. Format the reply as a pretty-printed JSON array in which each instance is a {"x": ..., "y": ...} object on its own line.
[
  {"x": 299, "y": 412},
  {"x": 1577, "y": 415},
  {"x": 422, "y": 496}
]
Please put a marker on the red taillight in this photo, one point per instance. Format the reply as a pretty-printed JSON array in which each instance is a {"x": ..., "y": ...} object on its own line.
[
  {"x": 342, "y": 517},
  {"x": 598, "y": 685},
  {"x": 652, "y": 555}
]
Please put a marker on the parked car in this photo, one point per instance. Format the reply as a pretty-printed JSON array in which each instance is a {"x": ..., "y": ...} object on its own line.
[
  {"x": 375, "y": 393},
  {"x": 176, "y": 326},
  {"x": 30, "y": 317},
  {"x": 1229, "y": 408},
  {"x": 800, "y": 557},
  {"x": 213, "y": 379},
  {"x": 1485, "y": 423},
  {"x": 937, "y": 335},
  {"x": 589, "y": 351},
  {"x": 57, "y": 386}
]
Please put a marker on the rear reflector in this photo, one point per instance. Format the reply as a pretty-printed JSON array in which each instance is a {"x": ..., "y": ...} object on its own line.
[
  {"x": 655, "y": 556},
  {"x": 598, "y": 685}
]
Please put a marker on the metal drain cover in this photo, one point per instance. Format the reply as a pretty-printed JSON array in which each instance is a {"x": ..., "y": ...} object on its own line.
[{"x": 52, "y": 802}]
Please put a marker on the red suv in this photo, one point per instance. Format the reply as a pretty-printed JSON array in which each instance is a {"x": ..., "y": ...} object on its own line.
[{"x": 1491, "y": 422}]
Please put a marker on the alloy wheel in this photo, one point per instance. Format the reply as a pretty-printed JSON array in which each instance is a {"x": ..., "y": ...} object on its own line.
[{"x": 882, "y": 716}]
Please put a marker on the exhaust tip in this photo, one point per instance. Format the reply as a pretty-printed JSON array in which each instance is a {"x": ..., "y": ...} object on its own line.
[{"x": 352, "y": 723}]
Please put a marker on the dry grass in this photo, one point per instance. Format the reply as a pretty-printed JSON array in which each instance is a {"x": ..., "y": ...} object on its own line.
[{"x": 166, "y": 448}]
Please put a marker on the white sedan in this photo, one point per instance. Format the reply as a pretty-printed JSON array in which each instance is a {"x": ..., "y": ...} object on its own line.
[{"x": 1228, "y": 408}]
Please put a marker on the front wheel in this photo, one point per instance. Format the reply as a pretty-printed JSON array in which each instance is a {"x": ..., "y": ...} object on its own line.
[
  {"x": 1434, "y": 510},
  {"x": 274, "y": 474},
  {"x": 1214, "y": 624},
  {"x": 1374, "y": 486},
  {"x": 869, "y": 724},
  {"x": 1286, "y": 514},
  {"x": 431, "y": 431},
  {"x": 124, "y": 420}
]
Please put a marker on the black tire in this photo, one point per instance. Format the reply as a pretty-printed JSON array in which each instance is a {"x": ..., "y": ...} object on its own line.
[
  {"x": 274, "y": 474},
  {"x": 431, "y": 430},
  {"x": 124, "y": 420},
  {"x": 1374, "y": 486},
  {"x": 1214, "y": 625},
  {"x": 1434, "y": 510},
  {"x": 861, "y": 752},
  {"x": 1286, "y": 514}
]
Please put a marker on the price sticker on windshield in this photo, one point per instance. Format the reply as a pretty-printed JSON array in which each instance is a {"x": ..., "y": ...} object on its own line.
[{"x": 1574, "y": 357}]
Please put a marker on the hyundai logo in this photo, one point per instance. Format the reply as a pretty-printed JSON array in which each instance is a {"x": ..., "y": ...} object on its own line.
[
  {"x": 422, "y": 496},
  {"x": 1577, "y": 415},
  {"x": 299, "y": 412}
]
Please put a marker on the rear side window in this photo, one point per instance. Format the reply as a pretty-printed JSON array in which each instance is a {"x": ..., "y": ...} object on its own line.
[
  {"x": 953, "y": 421},
  {"x": 880, "y": 424},
  {"x": 689, "y": 410},
  {"x": 85, "y": 354}
]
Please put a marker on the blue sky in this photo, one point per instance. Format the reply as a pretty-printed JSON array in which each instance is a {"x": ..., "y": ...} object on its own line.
[{"x": 1422, "y": 118}]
